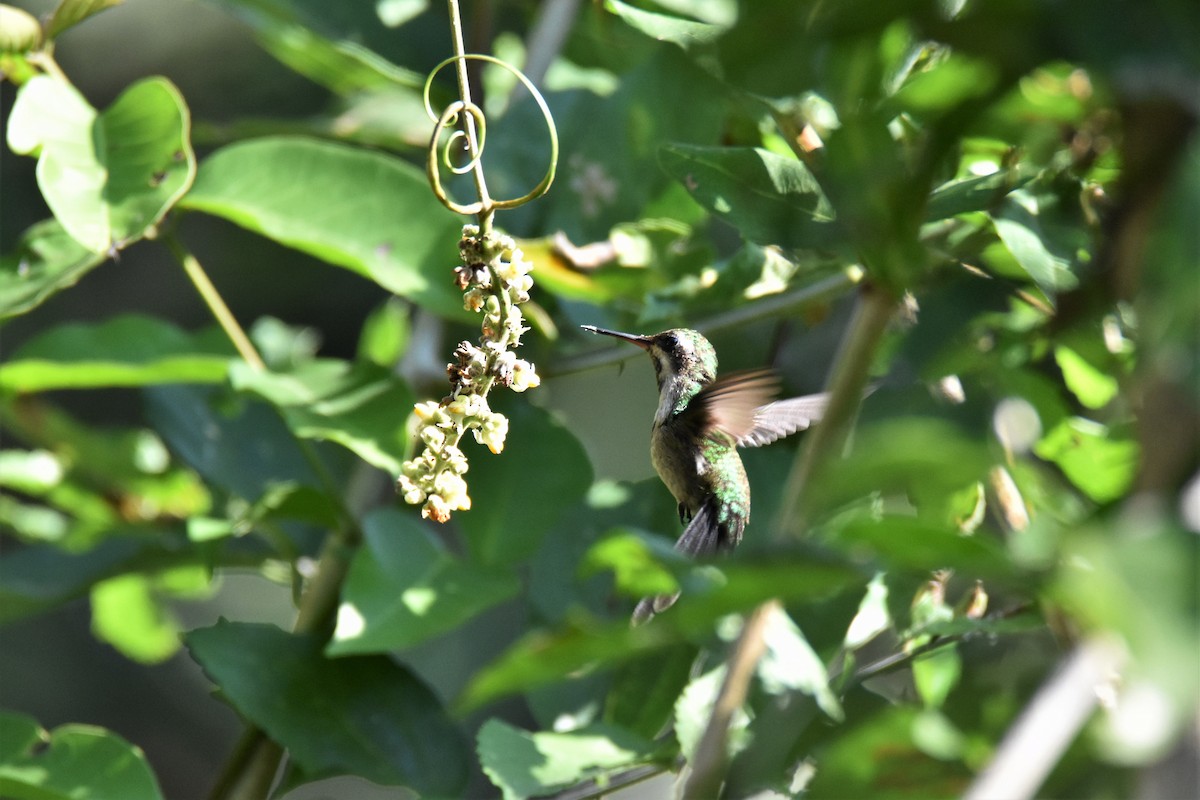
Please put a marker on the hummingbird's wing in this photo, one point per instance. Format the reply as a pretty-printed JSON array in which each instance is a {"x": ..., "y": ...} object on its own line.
[
  {"x": 731, "y": 402},
  {"x": 783, "y": 418}
]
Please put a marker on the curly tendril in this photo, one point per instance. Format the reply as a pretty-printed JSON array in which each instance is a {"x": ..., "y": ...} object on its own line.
[
  {"x": 451, "y": 116},
  {"x": 494, "y": 279}
]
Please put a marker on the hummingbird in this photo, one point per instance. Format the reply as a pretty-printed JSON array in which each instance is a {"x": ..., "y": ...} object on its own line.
[{"x": 700, "y": 423}]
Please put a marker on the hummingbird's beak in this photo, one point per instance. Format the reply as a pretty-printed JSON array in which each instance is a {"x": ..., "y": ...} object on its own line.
[{"x": 633, "y": 338}]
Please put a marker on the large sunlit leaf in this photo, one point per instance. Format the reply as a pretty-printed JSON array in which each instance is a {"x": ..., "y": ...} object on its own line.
[
  {"x": 524, "y": 764},
  {"x": 360, "y": 715},
  {"x": 129, "y": 611},
  {"x": 1098, "y": 460},
  {"x": 131, "y": 350},
  {"x": 769, "y": 198},
  {"x": 360, "y": 406},
  {"x": 108, "y": 177},
  {"x": 404, "y": 587},
  {"x": 69, "y": 763},
  {"x": 355, "y": 208},
  {"x": 46, "y": 260}
]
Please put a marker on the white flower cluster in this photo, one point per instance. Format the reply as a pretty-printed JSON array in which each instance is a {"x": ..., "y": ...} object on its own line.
[{"x": 494, "y": 278}]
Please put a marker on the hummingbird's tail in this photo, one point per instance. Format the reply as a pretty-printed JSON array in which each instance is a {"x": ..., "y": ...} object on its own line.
[{"x": 703, "y": 536}]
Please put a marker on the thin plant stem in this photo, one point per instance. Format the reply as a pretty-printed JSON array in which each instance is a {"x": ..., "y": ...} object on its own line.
[
  {"x": 216, "y": 304},
  {"x": 851, "y": 366},
  {"x": 709, "y": 763},
  {"x": 464, "y": 94}
]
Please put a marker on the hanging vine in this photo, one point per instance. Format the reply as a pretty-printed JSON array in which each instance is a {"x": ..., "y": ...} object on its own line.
[{"x": 494, "y": 278}]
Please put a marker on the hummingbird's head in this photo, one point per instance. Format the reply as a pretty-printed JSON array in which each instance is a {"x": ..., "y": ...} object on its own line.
[{"x": 679, "y": 355}]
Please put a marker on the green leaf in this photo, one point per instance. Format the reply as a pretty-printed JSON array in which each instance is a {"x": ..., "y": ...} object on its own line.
[
  {"x": 72, "y": 12},
  {"x": 790, "y": 664},
  {"x": 72, "y": 762},
  {"x": 643, "y": 692},
  {"x": 936, "y": 674},
  {"x": 895, "y": 767},
  {"x": 362, "y": 407},
  {"x": 694, "y": 710},
  {"x": 963, "y": 195},
  {"x": 770, "y": 199},
  {"x": 506, "y": 524},
  {"x": 926, "y": 459},
  {"x": 360, "y": 715},
  {"x": 38, "y": 578},
  {"x": 109, "y": 178},
  {"x": 130, "y": 350},
  {"x": 665, "y": 28},
  {"x": 242, "y": 447},
  {"x": 355, "y": 208},
  {"x": 524, "y": 764},
  {"x": 385, "y": 334},
  {"x": 404, "y": 587},
  {"x": 1094, "y": 388},
  {"x": 46, "y": 260},
  {"x": 1022, "y": 235},
  {"x": 127, "y": 615},
  {"x": 912, "y": 543},
  {"x": 1102, "y": 465},
  {"x": 343, "y": 66},
  {"x": 634, "y": 561},
  {"x": 708, "y": 594}
]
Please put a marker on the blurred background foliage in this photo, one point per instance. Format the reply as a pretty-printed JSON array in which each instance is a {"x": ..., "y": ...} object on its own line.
[{"x": 1008, "y": 536}]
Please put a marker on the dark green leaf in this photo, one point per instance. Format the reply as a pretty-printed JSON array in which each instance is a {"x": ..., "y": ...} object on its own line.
[
  {"x": 404, "y": 587},
  {"x": 1024, "y": 238},
  {"x": 362, "y": 715},
  {"x": 71, "y": 762},
  {"x": 360, "y": 406},
  {"x": 358, "y": 209},
  {"x": 46, "y": 261},
  {"x": 770, "y": 199},
  {"x": 524, "y": 764},
  {"x": 644, "y": 690},
  {"x": 507, "y": 522},
  {"x": 665, "y": 28},
  {"x": 925, "y": 458},
  {"x": 109, "y": 177},
  {"x": 913, "y": 543},
  {"x": 130, "y": 350},
  {"x": 896, "y": 766},
  {"x": 708, "y": 594},
  {"x": 244, "y": 448},
  {"x": 977, "y": 193},
  {"x": 38, "y": 578},
  {"x": 343, "y": 66}
]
